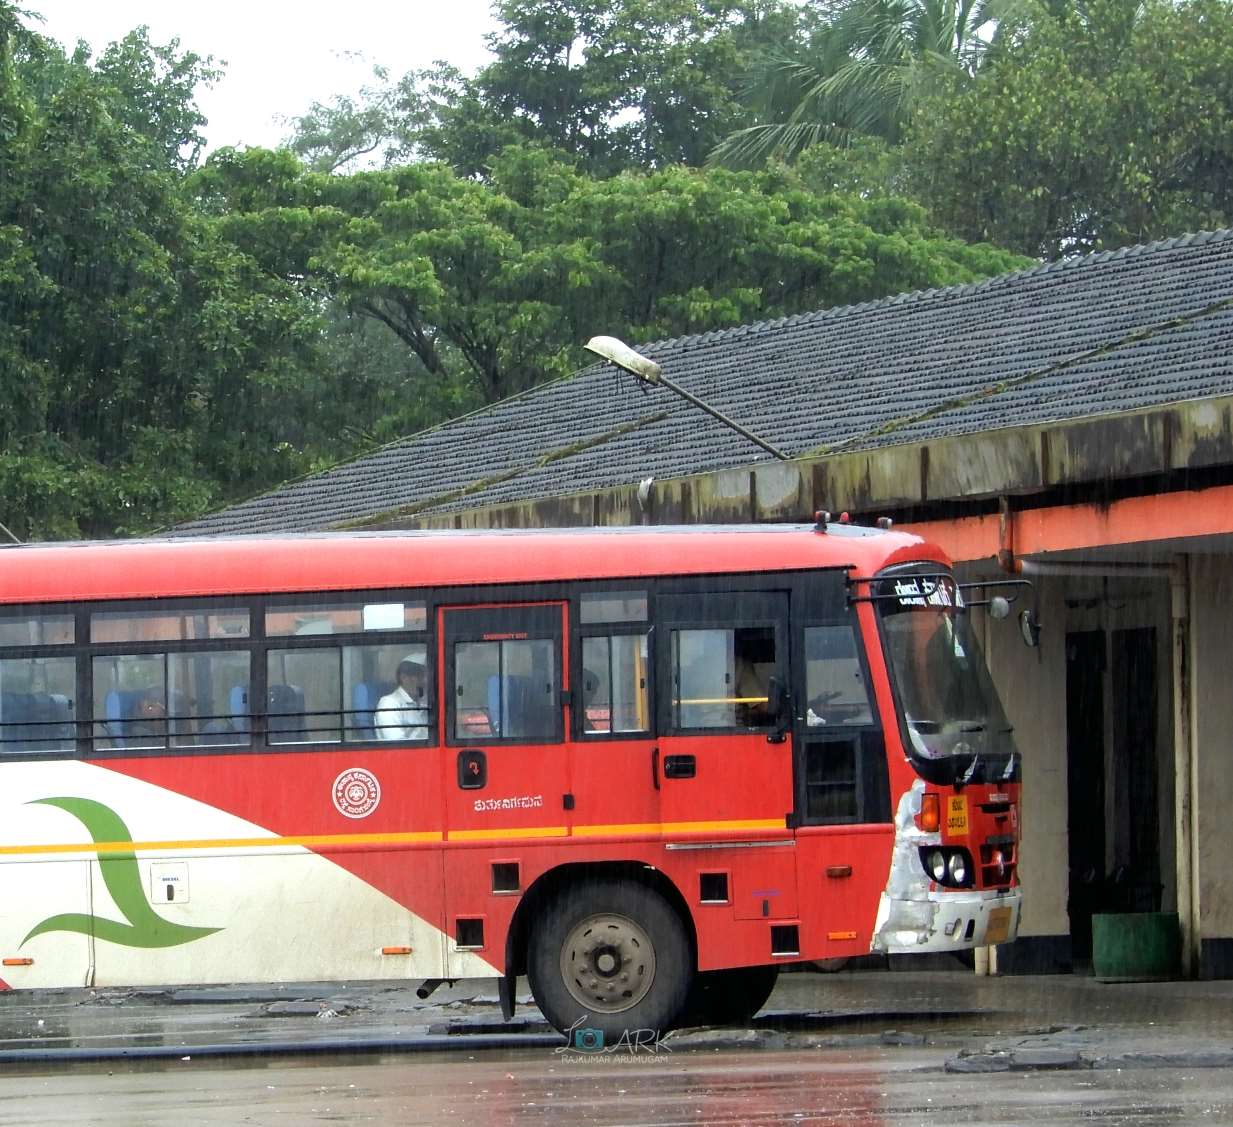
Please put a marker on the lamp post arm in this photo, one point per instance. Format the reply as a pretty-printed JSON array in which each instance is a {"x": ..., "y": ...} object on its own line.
[{"x": 723, "y": 418}]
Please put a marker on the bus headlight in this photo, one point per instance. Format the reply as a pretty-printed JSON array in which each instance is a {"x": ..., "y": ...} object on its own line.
[{"x": 951, "y": 868}]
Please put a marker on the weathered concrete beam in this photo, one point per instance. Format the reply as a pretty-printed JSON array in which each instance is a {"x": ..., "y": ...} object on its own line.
[{"x": 1196, "y": 434}]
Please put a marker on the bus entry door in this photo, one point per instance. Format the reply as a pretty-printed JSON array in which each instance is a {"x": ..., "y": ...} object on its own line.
[
  {"x": 844, "y": 830},
  {"x": 724, "y": 763},
  {"x": 506, "y": 768}
]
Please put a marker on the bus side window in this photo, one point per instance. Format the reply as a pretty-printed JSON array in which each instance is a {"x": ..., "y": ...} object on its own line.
[
  {"x": 615, "y": 692},
  {"x": 721, "y": 677},
  {"x": 200, "y": 685},
  {"x": 304, "y": 695},
  {"x": 36, "y": 704},
  {"x": 131, "y": 707},
  {"x": 371, "y": 676},
  {"x": 835, "y": 688}
]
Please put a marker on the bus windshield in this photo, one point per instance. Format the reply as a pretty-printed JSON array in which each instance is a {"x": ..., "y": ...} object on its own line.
[{"x": 950, "y": 708}]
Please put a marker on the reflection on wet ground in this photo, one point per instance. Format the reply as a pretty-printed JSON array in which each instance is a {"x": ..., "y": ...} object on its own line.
[
  {"x": 867, "y": 1088},
  {"x": 948, "y": 1010},
  {"x": 866, "y": 1048}
]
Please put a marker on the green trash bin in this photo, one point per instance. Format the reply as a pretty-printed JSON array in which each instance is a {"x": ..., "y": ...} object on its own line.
[{"x": 1136, "y": 947}]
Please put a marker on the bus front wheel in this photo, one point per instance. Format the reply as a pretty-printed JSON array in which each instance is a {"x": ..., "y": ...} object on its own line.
[{"x": 607, "y": 959}]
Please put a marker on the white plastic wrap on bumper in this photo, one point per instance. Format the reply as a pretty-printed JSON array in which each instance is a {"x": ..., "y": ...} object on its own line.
[
  {"x": 913, "y": 919},
  {"x": 951, "y": 921}
]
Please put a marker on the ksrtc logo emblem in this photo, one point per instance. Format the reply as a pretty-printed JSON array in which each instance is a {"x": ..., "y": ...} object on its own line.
[{"x": 356, "y": 793}]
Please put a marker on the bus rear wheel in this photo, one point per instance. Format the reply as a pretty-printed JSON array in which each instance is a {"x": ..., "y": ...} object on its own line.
[
  {"x": 610, "y": 958},
  {"x": 729, "y": 997}
]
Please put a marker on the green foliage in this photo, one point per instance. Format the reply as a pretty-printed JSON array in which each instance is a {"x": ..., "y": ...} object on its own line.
[
  {"x": 1099, "y": 125},
  {"x": 148, "y": 368},
  {"x": 178, "y": 334},
  {"x": 614, "y": 84},
  {"x": 380, "y": 125},
  {"x": 857, "y": 71},
  {"x": 493, "y": 286}
]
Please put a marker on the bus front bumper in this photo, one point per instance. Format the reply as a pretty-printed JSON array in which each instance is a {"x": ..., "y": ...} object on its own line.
[{"x": 946, "y": 921}]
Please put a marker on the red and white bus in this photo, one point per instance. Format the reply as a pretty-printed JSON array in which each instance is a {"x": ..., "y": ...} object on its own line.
[{"x": 643, "y": 767}]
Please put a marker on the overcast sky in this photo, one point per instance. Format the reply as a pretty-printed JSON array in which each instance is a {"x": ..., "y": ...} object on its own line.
[{"x": 281, "y": 56}]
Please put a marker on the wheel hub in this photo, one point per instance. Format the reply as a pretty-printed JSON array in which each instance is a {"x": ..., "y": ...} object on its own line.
[{"x": 608, "y": 963}]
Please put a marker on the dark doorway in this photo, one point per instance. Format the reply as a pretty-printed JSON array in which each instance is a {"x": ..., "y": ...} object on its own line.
[
  {"x": 1085, "y": 783},
  {"x": 1135, "y": 884}
]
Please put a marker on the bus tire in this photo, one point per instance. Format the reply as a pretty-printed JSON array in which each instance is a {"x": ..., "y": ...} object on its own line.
[
  {"x": 610, "y": 958},
  {"x": 729, "y": 997}
]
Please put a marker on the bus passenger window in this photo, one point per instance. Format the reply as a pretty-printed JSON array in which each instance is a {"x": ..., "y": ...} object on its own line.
[
  {"x": 36, "y": 704},
  {"x": 37, "y": 630},
  {"x": 131, "y": 707},
  {"x": 304, "y": 689},
  {"x": 615, "y": 696},
  {"x": 721, "y": 677},
  {"x": 835, "y": 688},
  {"x": 389, "y": 692},
  {"x": 351, "y": 617},
  {"x": 190, "y": 624},
  {"x": 201, "y": 685}
]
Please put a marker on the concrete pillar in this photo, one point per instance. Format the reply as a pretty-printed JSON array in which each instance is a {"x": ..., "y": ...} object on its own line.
[{"x": 1186, "y": 773}]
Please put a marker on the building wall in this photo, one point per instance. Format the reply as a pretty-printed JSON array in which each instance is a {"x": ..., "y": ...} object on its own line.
[
  {"x": 1032, "y": 684},
  {"x": 1212, "y": 629}
]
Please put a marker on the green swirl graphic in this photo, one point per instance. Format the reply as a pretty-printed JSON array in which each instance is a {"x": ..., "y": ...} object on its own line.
[{"x": 145, "y": 927}]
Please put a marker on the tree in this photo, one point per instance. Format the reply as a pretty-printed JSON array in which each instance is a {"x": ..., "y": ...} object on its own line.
[
  {"x": 493, "y": 286},
  {"x": 613, "y": 84},
  {"x": 146, "y": 369},
  {"x": 176, "y": 334},
  {"x": 857, "y": 72},
  {"x": 379, "y": 127},
  {"x": 1098, "y": 125}
]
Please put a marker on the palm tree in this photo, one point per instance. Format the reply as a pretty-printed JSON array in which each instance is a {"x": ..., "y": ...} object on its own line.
[{"x": 860, "y": 73}]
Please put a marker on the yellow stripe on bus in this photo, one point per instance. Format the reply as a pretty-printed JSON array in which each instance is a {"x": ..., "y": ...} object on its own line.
[
  {"x": 678, "y": 827},
  {"x": 227, "y": 843},
  {"x": 318, "y": 841},
  {"x": 507, "y": 833}
]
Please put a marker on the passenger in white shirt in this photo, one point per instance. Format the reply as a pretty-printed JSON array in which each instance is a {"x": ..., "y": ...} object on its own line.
[{"x": 402, "y": 714}]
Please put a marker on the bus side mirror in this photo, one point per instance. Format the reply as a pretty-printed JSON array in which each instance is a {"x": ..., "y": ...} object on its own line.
[{"x": 1029, "y": 628}]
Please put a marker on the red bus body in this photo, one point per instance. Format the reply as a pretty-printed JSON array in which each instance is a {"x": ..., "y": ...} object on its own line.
[{"x": 793, "y": 839}]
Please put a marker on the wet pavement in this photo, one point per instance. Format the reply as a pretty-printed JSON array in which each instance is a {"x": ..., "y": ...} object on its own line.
[{"x": 951, "y": 1019}]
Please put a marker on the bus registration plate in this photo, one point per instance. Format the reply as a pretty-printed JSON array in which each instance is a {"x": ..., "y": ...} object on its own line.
[
  {"x": 998, "y": 927},
  {"x": 957, "y": 815}
]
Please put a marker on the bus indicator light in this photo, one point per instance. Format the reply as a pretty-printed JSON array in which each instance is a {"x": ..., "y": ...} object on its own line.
[
  {"x": 930, "y": 813},
  {"x": 395, "y": 950},
  {"x": 19, "y": 962}
]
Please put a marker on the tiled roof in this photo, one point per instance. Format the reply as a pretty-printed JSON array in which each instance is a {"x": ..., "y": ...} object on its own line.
[{"x": 1100, "y": 334}]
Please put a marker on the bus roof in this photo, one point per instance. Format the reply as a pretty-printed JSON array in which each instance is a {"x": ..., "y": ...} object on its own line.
[{"x": 170, "y": 567}]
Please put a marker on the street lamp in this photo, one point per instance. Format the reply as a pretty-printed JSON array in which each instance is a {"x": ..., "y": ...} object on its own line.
[{"x": 619, "y": 354}]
